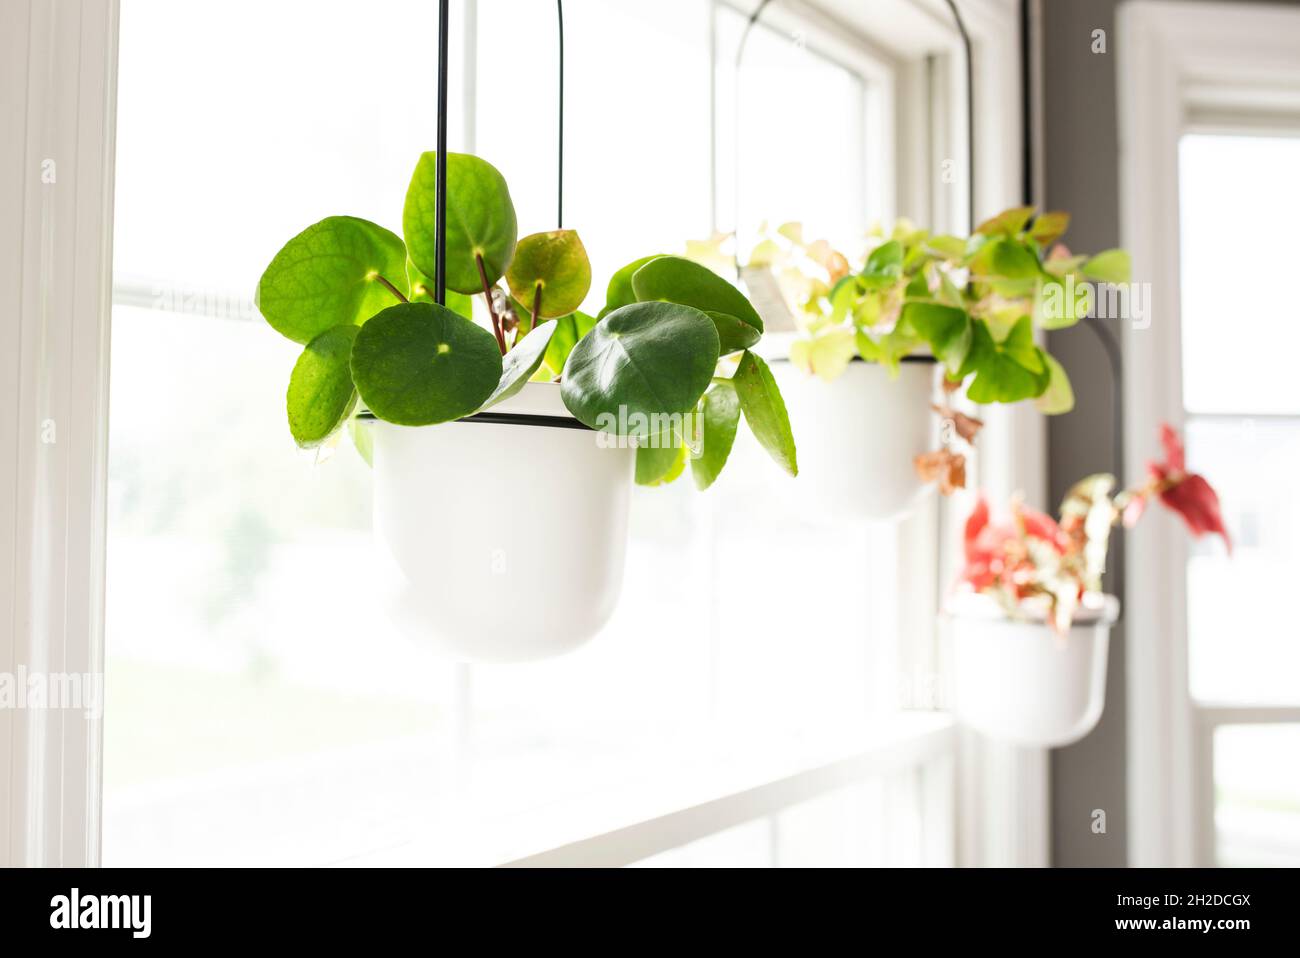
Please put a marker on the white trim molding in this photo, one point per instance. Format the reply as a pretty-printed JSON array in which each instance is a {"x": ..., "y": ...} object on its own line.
[
  {"x": 57, "y": 77},
  {"x": 1177, "y": 60}
]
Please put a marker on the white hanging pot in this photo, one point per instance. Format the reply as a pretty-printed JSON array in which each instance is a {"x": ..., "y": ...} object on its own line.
[
  {"x": 507, "y": 529},
  {"x": 1016, "y": 680},
  {"x": 858, "y": 435}
]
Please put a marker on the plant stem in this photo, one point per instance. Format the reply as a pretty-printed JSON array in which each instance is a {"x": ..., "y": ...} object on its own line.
[
  {"x": 391, "y": 288},
  {"x": 492, "y": 310},
  {"x": 537, "y": 308}
]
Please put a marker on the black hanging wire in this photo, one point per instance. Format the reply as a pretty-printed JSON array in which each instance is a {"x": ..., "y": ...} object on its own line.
[
  {"x": 970, "y": 113},
  {"x": 1105, "y": 335},
  {"x": 735, "y": 186},
  {"x": 559, "y": 165},
  {"x": 440, "y": 201}
]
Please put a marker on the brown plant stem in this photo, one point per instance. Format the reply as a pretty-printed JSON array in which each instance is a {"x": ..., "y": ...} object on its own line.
[
  {"x": 537, "y": 308},
  {"x": 391, "y": 288},
  {"x": 492, "y": 310}
]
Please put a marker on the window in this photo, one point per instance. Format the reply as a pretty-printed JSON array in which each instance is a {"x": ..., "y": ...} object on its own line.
[
  {"x": 260, "y": 711},
  {"x": 1243, "y": 430}
]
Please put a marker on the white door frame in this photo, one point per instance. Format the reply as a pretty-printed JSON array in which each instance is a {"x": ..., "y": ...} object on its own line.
[
  {"x": 57, "y": 76},
  {"x": 1180, "y": 64}
]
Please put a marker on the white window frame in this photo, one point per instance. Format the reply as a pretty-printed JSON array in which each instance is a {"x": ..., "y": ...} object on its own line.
[
  {"x": 1182, "y": 65},
  {"x": 55, "y": 239},
  {"x": 56, "y": 168}
]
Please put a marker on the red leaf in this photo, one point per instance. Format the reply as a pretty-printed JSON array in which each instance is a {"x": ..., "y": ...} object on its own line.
[
  {"x": 1174, "y": 458},
  {"x": 1196, "y": 501}
]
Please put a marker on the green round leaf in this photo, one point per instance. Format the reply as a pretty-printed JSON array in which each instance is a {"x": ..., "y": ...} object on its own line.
[
  {"x": 420, "y": 363},
  {"x": 659, "y": 467},
  {"x": 558, "y": 263},
  {"x": 655, "y": 461},
  {"x": 640, "y": 361},
  {"x": 1112, "y": 266},
  {"x": 721, "y": 410},
  {"x": 321, "y": 395},
  {"x": 946, "y": 328},
  {"x": 1006, "y": 371},
  {"x": 568, "y": 331},
  {"x": 480, "y": 220},
  {"x": 521, "y": 362},
  {"x": 328, "y": 275},
  {"x": 619, "y": 292},
  {"x": 764, "y": 410},
  {"x": 421, "y": 291},
  {"x": 673, "y": 279},
  {"x": 733, "y": 335},
  {"x": 1059, "y": 396}
]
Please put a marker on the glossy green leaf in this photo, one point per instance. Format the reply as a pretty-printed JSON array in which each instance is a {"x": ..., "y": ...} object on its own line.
[
  {"x": 619, "y": 292},
  {"x": 1049, "y": 227},
  {"x": 657, "y": 455},
  {"x": 1008, "y": 222},
  {"x": 1059, "y": 304},
  {"x": 842, "y": 297},
  {"x": 825, "y": 355},
  {"x": 1059, "y": 396},
  {"x": 1005, "y": 259},
  {"x": 946, "y": 328},
  {"x": 1112, "y": 266},
  {"x": 884, "y": 266},
  {"x": 676, "y": 465},
  {"x": 420, "y": 363},
  {"x": 557, "y": 263},
  {"x": 764, "y": 410},
  {"x": 951, "y": 248},
  {"x": 889, "y": 348},
  {"x": 321, "y": 395},
  {"x": 480, "y": 220},
  {"x": 721, "y": 412},
  {"x": 672, "y": 279},
  {"x": 521, "y": 362},
  {"x": 328, "y": 275},
  {"x": 639, "y": 361},
  {"x": 421, "y": 291},
  {"x": 1008, "y": 371},
  {"x": 733, "y": 335},
  {"x": 568, "y": 331}
]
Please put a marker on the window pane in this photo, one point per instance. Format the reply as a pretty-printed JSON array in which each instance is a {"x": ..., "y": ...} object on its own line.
[
  {"x": 1239, "y": 606},
  {"x": 258, "y": 711},
  {"x": 636, "y": 117},
  {"x": 800, "y": 134},
  {"x": 1257, "y": 795},
  {"x": 1239, "y": 208},
  {"x": 260, "y": 707}
]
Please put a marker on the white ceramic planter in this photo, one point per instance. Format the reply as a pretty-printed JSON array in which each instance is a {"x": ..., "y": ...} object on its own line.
[
  {"x": 507, "y": 531},
  {"x": 1018, "y": 681},
  {"x": 858, "y": 435}
]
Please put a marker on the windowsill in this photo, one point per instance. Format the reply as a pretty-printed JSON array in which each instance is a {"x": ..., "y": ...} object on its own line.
[{"x": 662, "y": 800}]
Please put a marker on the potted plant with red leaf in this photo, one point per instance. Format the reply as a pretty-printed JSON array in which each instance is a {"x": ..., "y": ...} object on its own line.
[{"x": 1030, "y": 625}]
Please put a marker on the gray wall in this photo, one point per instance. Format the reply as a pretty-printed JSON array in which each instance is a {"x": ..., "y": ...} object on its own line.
[{"x": 1081, "y": 174}]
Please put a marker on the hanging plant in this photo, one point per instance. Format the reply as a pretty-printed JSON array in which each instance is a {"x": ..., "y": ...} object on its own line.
[
  {"x": 1030, "y": 627},
  {"x": 970, "y": 302},
  {"x": 665, "y": 364},
  {"x": 1035, "y": 566}
]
